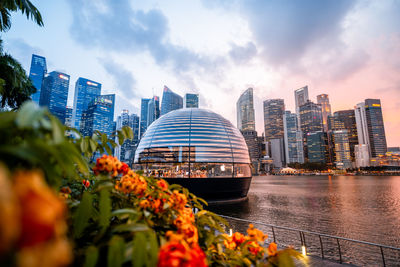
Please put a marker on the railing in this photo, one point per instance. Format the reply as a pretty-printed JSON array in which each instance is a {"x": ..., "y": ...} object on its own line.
[{"x": 387, "y": 259}]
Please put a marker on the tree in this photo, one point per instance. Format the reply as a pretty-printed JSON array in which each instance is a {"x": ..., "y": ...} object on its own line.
[{"x": 25, "y": 6}]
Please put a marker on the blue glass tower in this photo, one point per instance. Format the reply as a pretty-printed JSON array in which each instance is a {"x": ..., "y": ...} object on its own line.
[
  {"x": 99, "y": 116},
  {"x": 36, "y": 74},
  {"x": 54, "y": 93},
  {"x": 170, "y": 101},
  {"x": 85, "y": 92},
  {"x": 153, "y": 110},
  {"x": 191, "y": 101},
  {"x": 143, "y": 115}
]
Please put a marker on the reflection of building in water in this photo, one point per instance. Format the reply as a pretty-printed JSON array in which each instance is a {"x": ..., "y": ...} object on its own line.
[{"x": 196, "y": 143}]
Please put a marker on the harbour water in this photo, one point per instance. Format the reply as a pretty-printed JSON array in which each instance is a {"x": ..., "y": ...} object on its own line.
[{"x": 364, "y": 208}]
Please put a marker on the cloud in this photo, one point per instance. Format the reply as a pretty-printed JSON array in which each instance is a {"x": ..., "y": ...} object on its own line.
[
  {"x": 21, "y": 50},
  {"x": 242, "y": 54}
]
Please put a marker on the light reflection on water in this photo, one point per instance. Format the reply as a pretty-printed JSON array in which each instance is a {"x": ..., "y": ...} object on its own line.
[{"x": 358, "y": 207}]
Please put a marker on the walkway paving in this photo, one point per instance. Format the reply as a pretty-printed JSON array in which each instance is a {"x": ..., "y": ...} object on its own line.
[{"x": 315, "y": 261}]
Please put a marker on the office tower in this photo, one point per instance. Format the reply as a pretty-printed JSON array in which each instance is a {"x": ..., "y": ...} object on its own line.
[
  {"x": 245, "y": 111},
  {"x": 191, "y": 101},
  {"x": 68, "y": 117},
  {"x": 376, "y": 128},
  {"x": 170, "y": 101},
  {"x": 310, "y": 117},
  {"x": 342, "y": 148},
  {"x": 143, "y": 116},
  {"x": 153, "y": 110},
  {"x": 273, "y": 118},
  {"x": 36, "y": 74},
  {"x": 85, "y": 92},
  {"x": 277, "y": 152},
  {"x": 126, "y": 151},
  {"x": 99, "y": 116},
  {"x": 317, "y": 147},
  {"x": 301, "y": 97},
  {"x": 54, "y": 93},
  {"x": 323, "y": 100},
  {"x": 345, "y": 119},
  {"x": 251, "y": 140},
  {"x": 370, "y": 127},
  {"x": 362, "y": 158},
  {"x": 293, "y": 138}
]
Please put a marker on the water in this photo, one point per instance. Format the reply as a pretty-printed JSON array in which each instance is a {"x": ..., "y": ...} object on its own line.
[{"x": 358, "y": 207}]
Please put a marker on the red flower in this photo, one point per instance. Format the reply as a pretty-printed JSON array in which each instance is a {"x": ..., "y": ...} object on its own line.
[
  {"x": 180, "y": 254},
  {"x": 124, "y": 169},
  {"x": 162, "y": 184},
  {"x": 85, "y": 183}
]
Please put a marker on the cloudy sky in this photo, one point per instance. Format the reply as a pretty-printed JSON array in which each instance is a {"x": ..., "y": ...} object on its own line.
[{"x": 218, "y": 48}]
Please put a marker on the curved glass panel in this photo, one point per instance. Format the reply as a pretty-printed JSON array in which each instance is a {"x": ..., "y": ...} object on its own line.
[{"x": 193, "y": 143}]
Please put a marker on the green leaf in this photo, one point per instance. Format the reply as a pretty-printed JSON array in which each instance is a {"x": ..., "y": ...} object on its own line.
[
  {"x": 28, "y": 114},
  {"x": 121, "y": 138},
  {"x": 83, "y": 214},
  {"x": 153, "y": 248},
  {"x": 104, "y": 208},
  {"x": 116, "y": 251},
  {"x": 93, "y": 145},
  {"x": 139, "y": 250},
  {"x": 58, "y": 131},
  {"x": 124, "y": 211},
  {"x": 91, "y": 256},
  {"x": 131, "y": 227}
]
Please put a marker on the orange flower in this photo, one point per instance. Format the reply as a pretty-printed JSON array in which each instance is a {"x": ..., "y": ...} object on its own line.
[
  {"x": 178, "y": 200},
  {"x": 162, "y": 184},
  {"x": 255, "y": 248},
  {"x": 85, "y": 183},
  {"x": 176, "y": 254},
  {"x": 272, "y": 249},
  {"x": 144, "y": 204},
  {"x": 124, "y": 169},
  {"x": 238, "y": 238},
  {"x": 107, "y": 164},
  {"x": 256, "y": 234},
  {"x": 132, "y": 184},
  {"x": 190, "y": 233}
]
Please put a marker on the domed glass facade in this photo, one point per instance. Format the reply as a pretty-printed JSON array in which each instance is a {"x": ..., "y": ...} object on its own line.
[{"x": 193, "y": 143}]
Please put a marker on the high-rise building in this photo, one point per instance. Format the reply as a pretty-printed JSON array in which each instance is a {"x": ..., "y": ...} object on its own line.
[
  {"x": 317, "y": 147},
  {"x": 251, "y": 140},
  {"x": 361, "y": 152},
  {"x": 323, "y": 100},
  {"x": 376, "y": 128},
  {"x": 342, "y": 149},
  {"x": 68, "y": 117},
  {"x": 370, "y": 126},
  {"x": 143, "y": 116},
  {"x": 54, "y": 93},
  {"x": 191, "y": 101},
  {"x": 245, "y": 111},
  {"x": 273, "y": 118},
  {"x": 170, "y": 101},
  {"x": 310, "y": 117},
  {"x": 277, "y": 152},
  {"x": 293, "y": 138},
  {"x": 153, "y": 110},
  {"x": 36, "y": 74},
  {"x": 345, "y": 119},
  {"x": 126, "y": 151},
  {"x": 85, "y": 92},
  {"x": 301, "y": 97},
  {"x": 99, "y": 116}
]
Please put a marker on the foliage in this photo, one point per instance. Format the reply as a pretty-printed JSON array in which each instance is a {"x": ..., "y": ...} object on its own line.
[
  {"x": 24, "y": 6},
  {"x": 116, "y": 217}
]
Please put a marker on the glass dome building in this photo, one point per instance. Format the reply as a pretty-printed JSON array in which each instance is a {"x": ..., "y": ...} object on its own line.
[{"x": 198, "y": 149}]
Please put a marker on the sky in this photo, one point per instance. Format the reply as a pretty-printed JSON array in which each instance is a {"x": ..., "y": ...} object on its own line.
[{"x": 347, "y": 49}]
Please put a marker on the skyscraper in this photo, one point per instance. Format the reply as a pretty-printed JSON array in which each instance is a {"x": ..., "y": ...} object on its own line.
[
  {"x": 68, "y": 116},
  {"x": 170, "y": 101},
  {"x": 323, "y": 100},
  {"x": 342, "y": 149},
  {"x": 301, "y": 97},
  {"x": 245, "y": 111},
  {"x": 54, "y": 93},
  {"x": 143, "y": 116},
  {"x": 361, "y": 152},
  {"x": 376, "y": 128},
  {"x": 317, "y": 147},
  {"x": 310, "y": 117},
  {"x": 293, "y": 138},
  {"x": 99, "y": 116},
  {"x": 153, "y": 110},
  {"x": 345, "y": 119},
  {"x": 126, "y": 151},
  {"x": 36, "y": 74},
  {"x": 85, "y": 92},
  {"x": 191, "y": 101},
  {"x": 273, "y": 118}
]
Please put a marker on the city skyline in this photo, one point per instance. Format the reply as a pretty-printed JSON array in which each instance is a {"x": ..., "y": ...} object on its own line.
[{"x": 354, "y": 58}]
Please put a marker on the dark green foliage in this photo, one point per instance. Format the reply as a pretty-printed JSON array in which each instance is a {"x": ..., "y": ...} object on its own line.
[{"x": 24, "y": 6}]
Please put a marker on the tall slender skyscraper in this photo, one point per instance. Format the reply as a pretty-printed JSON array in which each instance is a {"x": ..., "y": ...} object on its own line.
[
  {"x": 126, "y": 151},
  {"x": 143, "y": 116},
  {"x": 345, "y": 119},
  {"x": 323, "y": 100},
  {"x": 245, "y": 111},
  {"x": 170, "y": 101},
  {"x": 85, "y": 92},
  {"x": 376, "y": 128},
  {"x": 273, "y": 118},
  {"x": 54, "y": 93},
  {"x": 293, "y": 138},
  {"x": 36, "y": 74},
  {"x": 99, "y": 116},
  {"x": 191, "y": 101},
  {"x": 342, "y": 149},
  {"x": 310, "y": 117},
  {"x": 301, "y": 97},
  {"x": 153, "y": 110}
]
